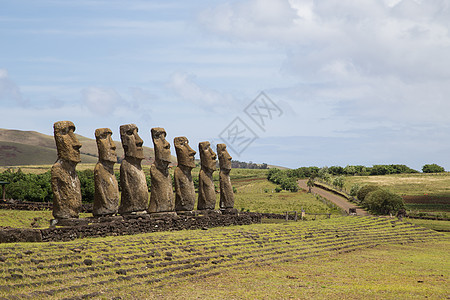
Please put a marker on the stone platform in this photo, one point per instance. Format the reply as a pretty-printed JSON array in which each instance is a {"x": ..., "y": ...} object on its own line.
[{"x": 124, "y": 225}]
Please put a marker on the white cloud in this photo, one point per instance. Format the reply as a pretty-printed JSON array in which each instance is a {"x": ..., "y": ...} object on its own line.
[
  {"x": 368, "y": 61},
  {"x": 101, "y": 101},
  {"x": 9, "y": 90},
  {"x": 186, "y": 88}
]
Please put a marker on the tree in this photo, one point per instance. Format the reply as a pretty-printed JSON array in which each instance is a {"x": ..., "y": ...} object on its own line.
[
  {"x": 384, "y": 202},
  {"x": 365, "y": 190},
  {"x": 432, "y": 168},
  {"x": 310, "y": 183},
  {"x": 354, "y": 189},
  {"x": 339, "y": 182}
]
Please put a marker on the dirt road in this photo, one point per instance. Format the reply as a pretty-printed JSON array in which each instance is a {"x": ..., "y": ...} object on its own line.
[{"x": 339, "y": 201}]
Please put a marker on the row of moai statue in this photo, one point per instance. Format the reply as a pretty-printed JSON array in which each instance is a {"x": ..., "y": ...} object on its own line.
[{"x": 135, "y": 196}]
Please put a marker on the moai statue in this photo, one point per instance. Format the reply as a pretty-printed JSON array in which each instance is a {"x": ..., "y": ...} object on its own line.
[
  {"x": 161, "y": 197},
  {"x": 226, "y": 190},
  {"x": 206, "y": 190},
  {"x": 106, "y": 197},
  {"x": 65, "y": 183},
  {"x": 134, "y": 197},
  {"x": 184, "y": 185}
]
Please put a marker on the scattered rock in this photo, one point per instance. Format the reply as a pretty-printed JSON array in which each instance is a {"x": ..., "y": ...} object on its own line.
[
  {"x": 28, "y": 252},
  {"x": 2, "y": 259},
  {"x": 121, "y": 272},
  {"x": 88, "y": 262},
  {"x": 16, "y": 276},
  {"x": 169, "y": 254}
]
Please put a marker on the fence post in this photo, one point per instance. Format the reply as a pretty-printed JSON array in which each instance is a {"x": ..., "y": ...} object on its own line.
[{"x": 295, "y": 216}]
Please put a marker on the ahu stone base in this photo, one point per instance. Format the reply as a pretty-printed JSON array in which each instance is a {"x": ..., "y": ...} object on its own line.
[{"x": 125, "y": 225}]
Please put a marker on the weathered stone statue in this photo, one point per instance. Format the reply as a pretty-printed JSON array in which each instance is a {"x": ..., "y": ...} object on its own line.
[
  {"x": 106, "y": 197},
  {"x": 65, "y": 183},
  {"x": 184, "y": 185},
  {"x": 161, "y": 197},
  {"x": 226, "y": 190},
  {"x": 134, "y": 197},
  {"x": 206, "y": 190}
]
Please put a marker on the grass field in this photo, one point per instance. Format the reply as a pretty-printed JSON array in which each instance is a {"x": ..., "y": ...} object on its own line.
[
  {"x": 407, "y": 184},
  {"x": 425, "y": 195},
  {"x": 337, "y": 258},
  {"x": 385, "y": 259}
]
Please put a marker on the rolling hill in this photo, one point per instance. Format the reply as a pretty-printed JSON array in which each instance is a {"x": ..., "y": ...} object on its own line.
[{"x": 33, "y": 148}]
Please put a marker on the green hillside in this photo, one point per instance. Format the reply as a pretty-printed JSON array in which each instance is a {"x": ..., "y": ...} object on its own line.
[
  {"x": 19, "y": 147},
  {"x": 15, "y": 154}
]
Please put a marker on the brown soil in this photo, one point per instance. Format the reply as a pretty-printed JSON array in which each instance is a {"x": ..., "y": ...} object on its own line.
[{"x": 339, "y": 201}]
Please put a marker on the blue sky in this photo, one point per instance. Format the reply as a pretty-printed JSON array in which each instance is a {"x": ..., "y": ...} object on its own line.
[{"x": 348, "y": 82}]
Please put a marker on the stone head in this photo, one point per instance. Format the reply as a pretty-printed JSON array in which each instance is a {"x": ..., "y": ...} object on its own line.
[
  {"x": 185, "y": 154},
  {"x": 131, "y": 141},
  {"x": 224, "y": 157},
  {"x": 161, "y": 145},
  {"x": 207, "y": 156},
  {"x": 67, "y": 144},
  {"x": 105, "y": 145}
]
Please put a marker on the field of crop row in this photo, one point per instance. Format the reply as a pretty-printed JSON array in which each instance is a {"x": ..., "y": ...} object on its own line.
[{"x": 124, "y": 266}]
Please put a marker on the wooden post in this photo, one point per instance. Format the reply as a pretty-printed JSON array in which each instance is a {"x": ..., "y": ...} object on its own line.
[
  {"x": 287, "y": 216},
  {"x": 295, "y": 216},
  {"x": 4, "y": 192}
]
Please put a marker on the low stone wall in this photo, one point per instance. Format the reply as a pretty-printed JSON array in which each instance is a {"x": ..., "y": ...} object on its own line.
[
  {"x": 34, "y": 206},
  {"x": 126, "y": 225},
  {"x": 291, "y": 216}
]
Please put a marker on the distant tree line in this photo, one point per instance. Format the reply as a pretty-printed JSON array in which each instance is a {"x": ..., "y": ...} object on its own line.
[
  {"x": 283, "y": 179},
  {"x": 247, "y": 165},
  {"x": 358, "y": 170},
  {"x": 38, "y": 188},
  {"x": 333, "y": 175}
]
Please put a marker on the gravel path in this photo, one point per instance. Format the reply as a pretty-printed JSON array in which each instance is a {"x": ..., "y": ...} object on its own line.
[{"x": 339, "y": 201}]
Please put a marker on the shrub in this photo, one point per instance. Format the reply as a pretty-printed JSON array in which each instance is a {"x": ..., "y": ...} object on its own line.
[
  {"x": 432, "y": 168},
  {"x": 384, "y": 202},
  {"x": 365, "y": 190},
  {"x": 338, "y": 182},
  {"x": 87, "y": 185},
  {"x": 278, "y": 189},
  {"x": 354, "y": 189}
]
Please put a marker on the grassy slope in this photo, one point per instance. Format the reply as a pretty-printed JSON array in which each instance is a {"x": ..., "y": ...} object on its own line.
[
  {"x": 34, "y": 148},
  {"x": 16, "y": 154},
  {"x": 262, "y": 261},
  {"x": 407, "y": 184},
  {"x": 384, "y": 272}
]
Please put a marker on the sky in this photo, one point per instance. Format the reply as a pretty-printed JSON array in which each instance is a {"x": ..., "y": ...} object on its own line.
[{"x": 284, "y": 82}]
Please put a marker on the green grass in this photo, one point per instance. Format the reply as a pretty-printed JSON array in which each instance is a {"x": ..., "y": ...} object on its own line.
[
  {"x": 407, "y": 184},
  {"x": 28, "y": 219},
  {"x": 262, "y": 261},
  {"x": 384, "y": 272},
  {"x": 258, "y": 195},
  {"x": 431, "y": 224}
]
